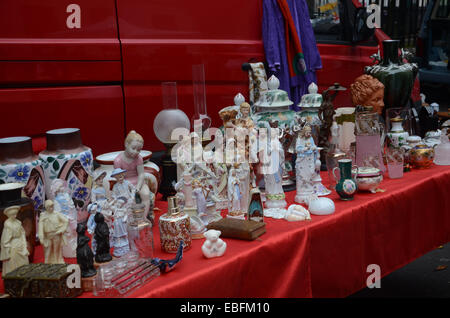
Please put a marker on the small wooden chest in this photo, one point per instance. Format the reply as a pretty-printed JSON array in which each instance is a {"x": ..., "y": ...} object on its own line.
[{"x": 40, "y": 281}]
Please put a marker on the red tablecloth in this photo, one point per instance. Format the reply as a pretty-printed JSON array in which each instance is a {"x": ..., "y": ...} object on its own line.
[{"x": 325, "y": 257}]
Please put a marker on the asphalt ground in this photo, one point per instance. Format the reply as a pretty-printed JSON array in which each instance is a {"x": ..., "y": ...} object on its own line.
[{"x": 426, "y": 277}]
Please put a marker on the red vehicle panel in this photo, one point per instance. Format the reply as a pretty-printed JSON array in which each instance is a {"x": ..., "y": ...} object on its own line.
[{"x": 112, "y": 66}]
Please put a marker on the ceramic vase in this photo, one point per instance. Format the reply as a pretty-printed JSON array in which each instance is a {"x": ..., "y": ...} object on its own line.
[
  {"x": 397, "y": 77},
  {"x": 12, "y": 194},
  {"x": 174, "y": 226},
  {"x": 18, "y": 163},
  {"x": 346, "y": 186},
  {"x": 397, "y": 136},
  {"x": 68, "y": 159}
]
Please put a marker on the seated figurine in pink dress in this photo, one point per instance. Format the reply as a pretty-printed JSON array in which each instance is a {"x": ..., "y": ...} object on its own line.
[{"x": 131, "y": 161}]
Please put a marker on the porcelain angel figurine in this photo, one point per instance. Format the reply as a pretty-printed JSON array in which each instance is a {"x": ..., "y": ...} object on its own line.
[
  {"x": 131, "y": 161},
  {"x": 63, "y": 203},
  {"x": 120, "y": 233},
  {"x": 14, "y": 252},
  {"x": 200, "y": 197},
  {"x": 99, "y": 199},
  {"x": 51, "y": 229},
  {"x": 273, "y": 163},
  {"x": 305, "y": 164}
]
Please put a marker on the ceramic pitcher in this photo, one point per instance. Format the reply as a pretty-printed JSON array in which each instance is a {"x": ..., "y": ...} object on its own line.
[{"x": 346, "y": 186}]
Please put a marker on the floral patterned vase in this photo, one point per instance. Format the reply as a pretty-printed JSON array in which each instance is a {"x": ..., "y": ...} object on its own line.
[
  {"x": 68, "y": 159},
  {"x": 19, "y": 164},
  {"x": 174, "y": 226}
]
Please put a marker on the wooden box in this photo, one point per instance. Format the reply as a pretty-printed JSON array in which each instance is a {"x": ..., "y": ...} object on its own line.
[
  {"x": 40, "y": 281},
  {"x": 239, "y": 229}
]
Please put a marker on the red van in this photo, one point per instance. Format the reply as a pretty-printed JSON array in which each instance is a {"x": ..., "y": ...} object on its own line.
[{"x": 98, "y": 64}]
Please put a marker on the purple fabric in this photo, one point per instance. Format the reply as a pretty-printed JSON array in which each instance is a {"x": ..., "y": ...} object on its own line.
[{"x": 275, "y": 47}]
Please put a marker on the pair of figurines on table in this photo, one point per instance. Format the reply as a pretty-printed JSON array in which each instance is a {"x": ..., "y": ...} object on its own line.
[{"x": 111, "y": 208}]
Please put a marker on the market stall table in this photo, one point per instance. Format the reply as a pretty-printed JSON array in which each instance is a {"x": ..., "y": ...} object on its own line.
[{"x": 325, "y": 257}]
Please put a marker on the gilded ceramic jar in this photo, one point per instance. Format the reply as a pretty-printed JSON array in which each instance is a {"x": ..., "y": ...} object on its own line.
[
  {"x": 421, "y": 156},
  {"x": 174, "y": 226},
  {"x": 368, "y": 178}
]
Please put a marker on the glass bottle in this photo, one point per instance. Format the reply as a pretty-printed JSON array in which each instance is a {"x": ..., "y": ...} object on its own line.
[{"x": 140, "y": 233}]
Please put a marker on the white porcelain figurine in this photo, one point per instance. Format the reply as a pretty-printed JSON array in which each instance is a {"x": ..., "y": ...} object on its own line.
[
  {"x": 14, "y": 252},
  {"x": 63, "y": 203},
  {"x": 213, "y": 246},
  {"x": 305, "y": 164},
  {"x": 51, "y": 229}
]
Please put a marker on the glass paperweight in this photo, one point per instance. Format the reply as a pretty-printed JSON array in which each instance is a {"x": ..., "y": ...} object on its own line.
[{"x": 140, "y": 232}]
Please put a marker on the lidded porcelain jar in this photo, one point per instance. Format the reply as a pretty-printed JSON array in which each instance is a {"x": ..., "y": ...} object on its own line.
[
  {"x": 18, "y": 163},
  {"x": 174, "y": 226},
  {"x": 68, "y": 159},
  {"x": 397, "y": 136},
  {"x": 275, "y": 106},
  {"x": 411, "y": 142},
  {"x": 309, "y": 109},
  {"x": 368, "y": 178}
]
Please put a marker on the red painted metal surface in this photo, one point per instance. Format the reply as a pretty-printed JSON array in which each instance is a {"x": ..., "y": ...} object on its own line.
[{"x": 96, "y": 110}]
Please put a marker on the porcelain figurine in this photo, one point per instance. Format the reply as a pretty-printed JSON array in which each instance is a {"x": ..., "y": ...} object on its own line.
[
  {"x": 305, "y": 164},
  {"x": 255, "y": 208},
  {"x": 123, "y": 188},
  {"x": 319, "y": 188},
  {"x": 320, "y": 206},
  {"x": 131, "y": 161},
  {"x": 52, "y": 226},
  {"x": 99, "y": 198},
  {"x": 13, "y": 246},
  {"x": 221, "y": 173},
  {"x": 63, "y": 203},
  {"x": 200, "y": 197},
  {"x": 442, "y": 151},
  {"x": 85, "y": 257},
  {"x": 234, "y": 193},
  {"x": 368, "y": 179},
  {"x": 296, "y": 212},
  {"x": 273, "y": 174},
  {"x": 120, "y": 234},
  {"x": 213, "y": 246},
  {"x": 101, "y": 236}
]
